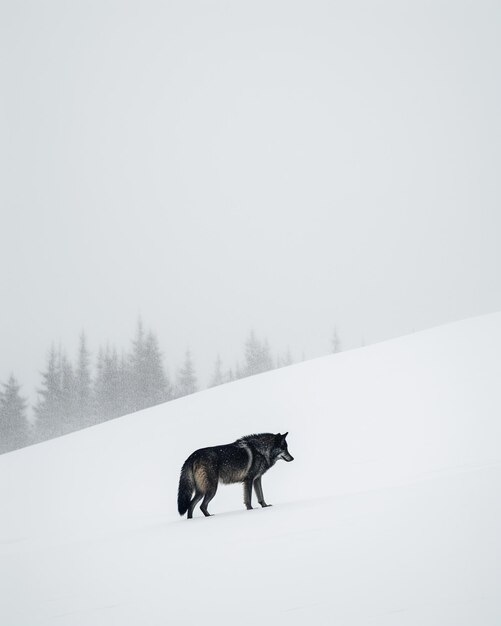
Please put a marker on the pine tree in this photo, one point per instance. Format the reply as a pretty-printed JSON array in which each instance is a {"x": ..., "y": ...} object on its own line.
[
  {"x": 335, "y": 341},
  {"x": 13, "y": 420},
  {"x": 137, "y": 389},
  {"x": 4, "y": 427},
  {"x": 217, "y": 376},
  {"x": 252, "y": 355},
  {"x": 107, "y": 387},
  {"x": 186, "y": 380},
  {"x": 148, "y": 383},
  {"x": 83, "y": 386},
  {"x": 286, "y": 359},
  {"x": 157, "y": 384},
  {"x": 257, "y": 356},
  {"x": 69, "y": 399},
  {"x": 266, "y": 359},
  {"x": 124, "y": 385},
  {"x": 48, "y": 408},
  {"x": 98, "y": 387},
  {"x": 239, "y": 373}
]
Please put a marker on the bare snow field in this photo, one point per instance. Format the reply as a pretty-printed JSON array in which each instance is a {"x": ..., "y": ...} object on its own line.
[{"x": 389, "y": 515}]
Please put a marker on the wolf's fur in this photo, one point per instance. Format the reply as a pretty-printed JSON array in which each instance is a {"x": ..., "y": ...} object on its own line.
[{"x": 243, "y": 461}]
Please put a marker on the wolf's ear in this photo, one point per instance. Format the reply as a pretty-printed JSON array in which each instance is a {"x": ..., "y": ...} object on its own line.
[{"x": 284, "y": 436}]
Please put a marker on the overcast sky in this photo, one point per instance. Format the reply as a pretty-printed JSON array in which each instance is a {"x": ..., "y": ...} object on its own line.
[{"x": 221, "y": 166}]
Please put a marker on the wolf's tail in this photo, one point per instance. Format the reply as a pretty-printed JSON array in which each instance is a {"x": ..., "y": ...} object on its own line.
[{"x": 186, "y": 487}]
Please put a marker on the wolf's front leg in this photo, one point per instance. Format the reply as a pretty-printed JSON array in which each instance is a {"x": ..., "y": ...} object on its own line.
[
  {"x": 248, "y": 493},
  {"x": 259, "y": 492}
]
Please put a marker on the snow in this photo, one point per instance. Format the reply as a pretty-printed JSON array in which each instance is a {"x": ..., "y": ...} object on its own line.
[{"x": 390, "y": 513}]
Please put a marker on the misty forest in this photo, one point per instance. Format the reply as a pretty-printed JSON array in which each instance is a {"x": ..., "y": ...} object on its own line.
[{"x": 90, "y": 390}]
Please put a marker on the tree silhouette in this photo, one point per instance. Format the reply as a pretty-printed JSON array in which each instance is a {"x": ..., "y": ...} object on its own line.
[
  {"x": 83, "y": 386},
  {"x": 147, "y": 381},
  {"x": 49, "y": 404},
  {"x": 257, "y": 356},
  {"x": 13, "y": 421},
  {"x": 217, "y": 376},
  {"x": 335, "y": 341},
  {"x": 186, "y": 379}
]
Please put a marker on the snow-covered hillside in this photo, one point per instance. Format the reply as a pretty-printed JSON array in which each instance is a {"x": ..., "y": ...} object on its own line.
[{"x": 390, "y": 513}]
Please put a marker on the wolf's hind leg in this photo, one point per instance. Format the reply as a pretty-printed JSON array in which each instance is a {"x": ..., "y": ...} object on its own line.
[
  {"x": 208, "y": 497},
  {"x": 259, "y": 492},
  {"x": 196, "y": 499}
]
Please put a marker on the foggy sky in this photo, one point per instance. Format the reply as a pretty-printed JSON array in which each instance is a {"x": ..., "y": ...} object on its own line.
[{"x": 222, "y": 166}]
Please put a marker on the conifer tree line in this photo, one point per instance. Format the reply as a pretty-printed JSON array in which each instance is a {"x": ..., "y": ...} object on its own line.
[{"x": 89, "y": 390}]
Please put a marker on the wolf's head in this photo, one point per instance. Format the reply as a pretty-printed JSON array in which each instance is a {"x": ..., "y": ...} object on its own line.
[{"x": 280, "y": 450}]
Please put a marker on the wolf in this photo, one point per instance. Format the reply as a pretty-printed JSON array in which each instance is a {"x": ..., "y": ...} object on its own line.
[{"x": 243, "y": 461}]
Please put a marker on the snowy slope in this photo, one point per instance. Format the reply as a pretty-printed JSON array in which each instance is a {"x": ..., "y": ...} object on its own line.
[{"x": 390, "y": 513}]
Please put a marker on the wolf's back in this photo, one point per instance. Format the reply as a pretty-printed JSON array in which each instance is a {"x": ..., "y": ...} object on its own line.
[{"x": 186, "y": 487}]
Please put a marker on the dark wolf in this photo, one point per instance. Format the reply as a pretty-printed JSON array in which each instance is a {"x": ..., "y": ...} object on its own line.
[{"x": 243, "y": 461}]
